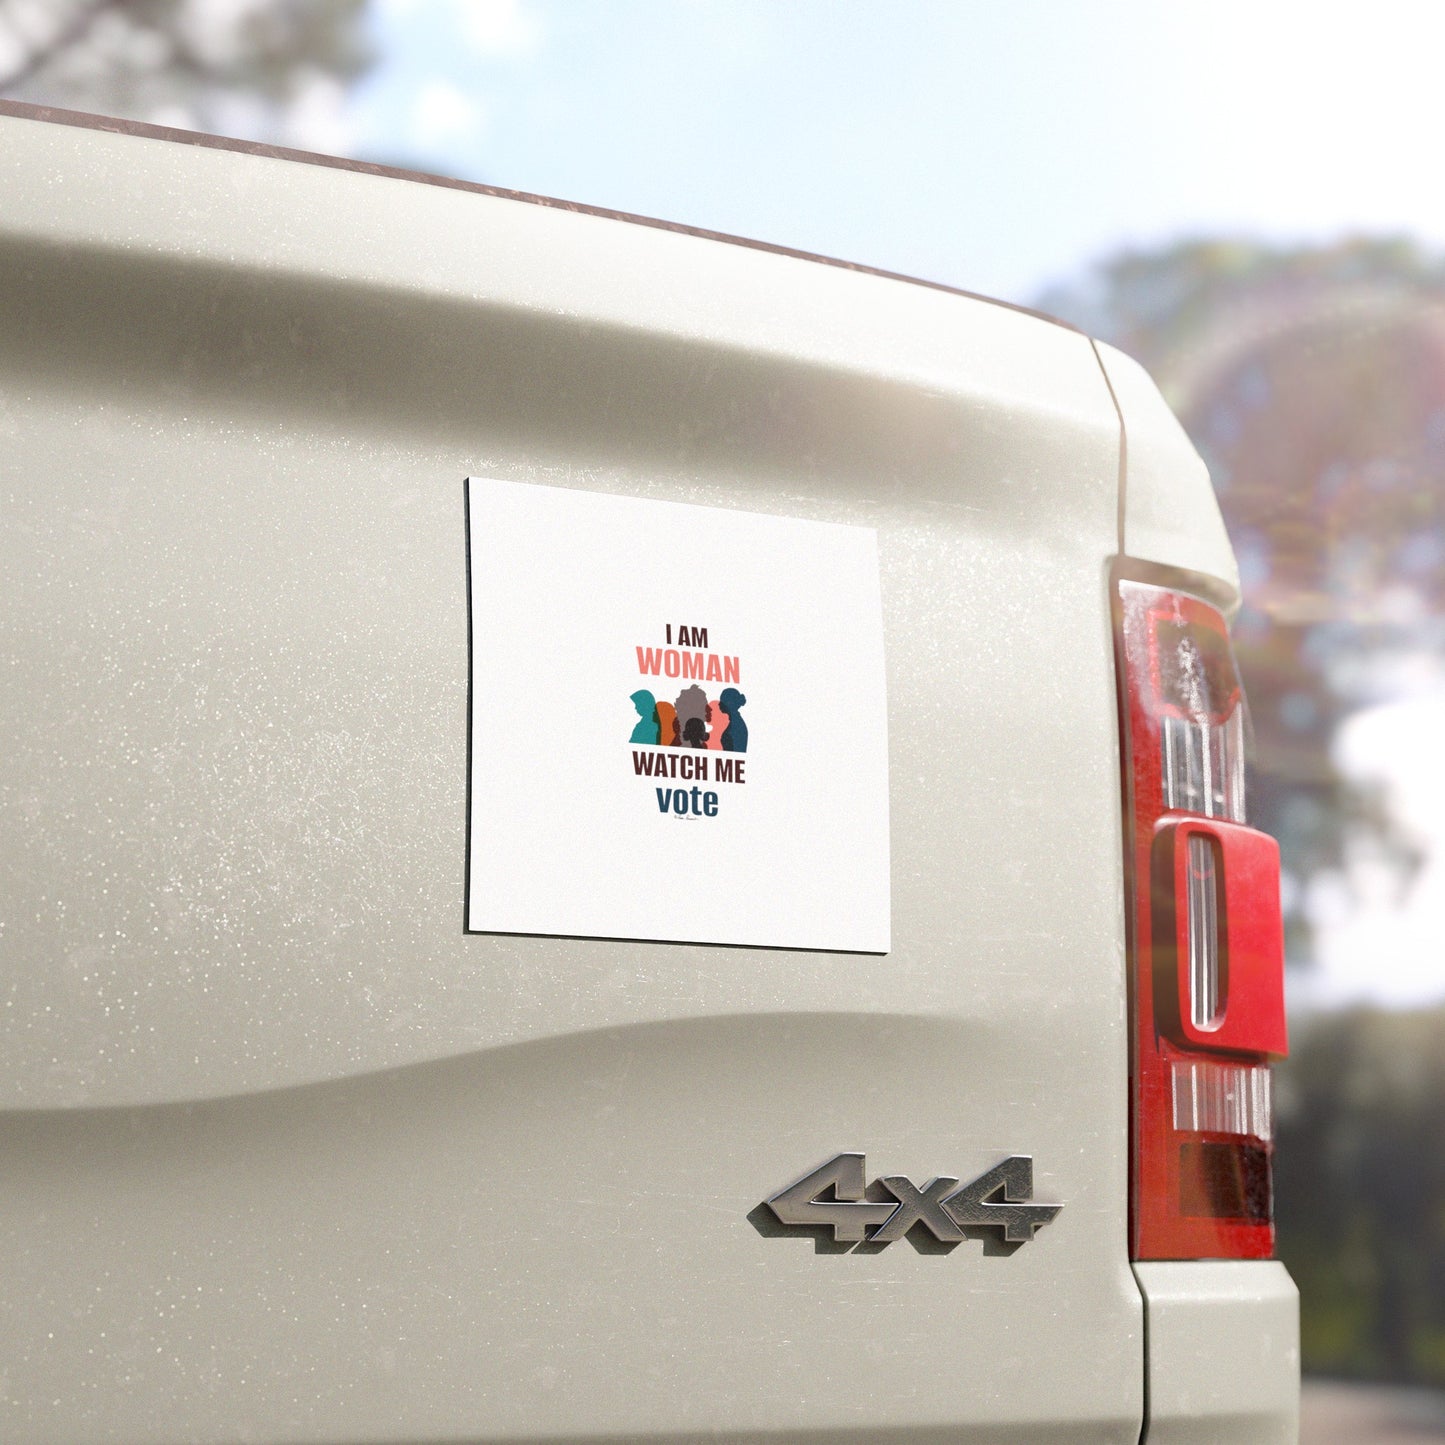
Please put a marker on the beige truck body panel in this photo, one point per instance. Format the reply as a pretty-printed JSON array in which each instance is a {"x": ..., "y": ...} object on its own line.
[{"x": 287, "y": 1155}]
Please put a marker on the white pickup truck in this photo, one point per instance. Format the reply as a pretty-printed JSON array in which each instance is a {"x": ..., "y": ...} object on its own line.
[{"x": 434, "y": 1009}]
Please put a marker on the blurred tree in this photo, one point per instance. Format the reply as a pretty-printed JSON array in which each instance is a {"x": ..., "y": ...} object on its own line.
[
  {"x": 1313, "y": 382},
  {"x": 1360, "y": 1181},
  {"x": 271, "y": 70}
]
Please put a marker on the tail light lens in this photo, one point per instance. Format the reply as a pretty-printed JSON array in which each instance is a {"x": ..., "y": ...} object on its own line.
[{"x": 1206, "y": 943}]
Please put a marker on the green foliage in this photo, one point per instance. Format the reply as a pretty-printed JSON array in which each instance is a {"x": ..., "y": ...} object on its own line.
[
  {"x": 1154, "y": 303},
  {"x": 1360, "y": 1192},
  {"x": 222, "y": 64},
  {"x": 1312, "y": 380}
]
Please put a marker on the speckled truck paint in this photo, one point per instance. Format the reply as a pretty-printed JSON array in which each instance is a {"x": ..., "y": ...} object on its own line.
[{"x": 284, "y": 1154}]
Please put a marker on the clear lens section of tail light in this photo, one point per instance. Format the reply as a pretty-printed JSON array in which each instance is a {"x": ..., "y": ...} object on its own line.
[
  {"x": 1206, "y": 982},
  {"x": 1222, "y": 1098},
  {"x": 1201, "y": 714},
  {"x": 1206, "y": 946}
]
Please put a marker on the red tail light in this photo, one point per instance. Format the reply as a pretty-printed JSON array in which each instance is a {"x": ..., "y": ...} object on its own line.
[{"x": 1207, "y": 946}]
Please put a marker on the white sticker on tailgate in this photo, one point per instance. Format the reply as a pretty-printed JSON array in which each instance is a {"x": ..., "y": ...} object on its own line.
[{"x": 679, "y": 723}]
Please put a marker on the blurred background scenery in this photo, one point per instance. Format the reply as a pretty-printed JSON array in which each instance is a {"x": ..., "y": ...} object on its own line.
[{"x": 1244, "y": 196}]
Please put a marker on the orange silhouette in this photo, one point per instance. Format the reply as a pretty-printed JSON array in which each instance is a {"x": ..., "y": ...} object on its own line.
[
  {"x": 718, "y": 721},
  {"x": 666, "y": 725}
]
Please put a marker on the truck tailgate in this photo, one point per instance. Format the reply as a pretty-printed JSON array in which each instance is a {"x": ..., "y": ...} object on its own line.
[{"x": 285, "y": 1152}]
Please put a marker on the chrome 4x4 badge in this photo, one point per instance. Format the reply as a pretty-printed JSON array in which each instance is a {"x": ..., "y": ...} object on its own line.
[{"x": 836, "y": 1194}]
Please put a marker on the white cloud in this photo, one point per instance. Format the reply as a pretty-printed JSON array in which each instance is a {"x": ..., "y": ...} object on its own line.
[
  {"x": 497, "y": 28},
  {"x": 318, "y": 117},
  {"x": 1375, "y": 945},
  {"x": 491, "y": 29},
  {"x": 443, "y": 112},
  {"x": 1398, "y": 743}
]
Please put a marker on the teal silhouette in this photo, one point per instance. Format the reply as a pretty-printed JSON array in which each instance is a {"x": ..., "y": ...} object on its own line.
[
  {"x": 646, "y": 730},
  {"x": 735, "y": 735}
]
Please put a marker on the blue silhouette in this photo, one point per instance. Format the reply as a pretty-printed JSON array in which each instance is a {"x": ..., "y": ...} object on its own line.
[
  {"x": 735, "y": 735},
  {"x": 646, "y": 730}
]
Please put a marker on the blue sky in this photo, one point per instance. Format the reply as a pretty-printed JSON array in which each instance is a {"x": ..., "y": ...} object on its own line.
[{"x": 996, "y": 146}]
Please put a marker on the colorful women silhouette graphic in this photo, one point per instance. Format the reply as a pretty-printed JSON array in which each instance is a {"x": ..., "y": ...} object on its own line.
[
  {"x": 646, "y": 729},
  {"x": 667, "y": 725},
  {"x": 735, "y": 738},
  {"x": 691, "y": 712},
  {"x": 717, "y": 720}
]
